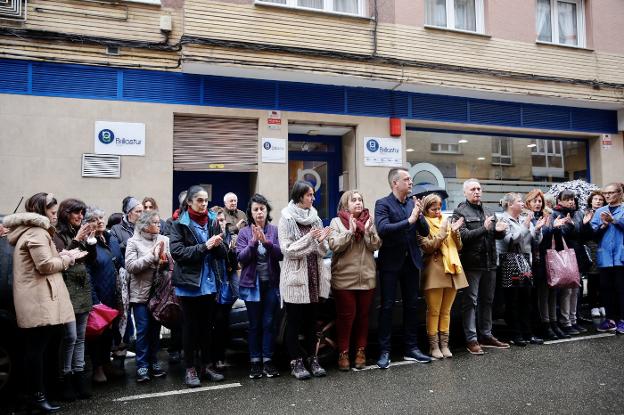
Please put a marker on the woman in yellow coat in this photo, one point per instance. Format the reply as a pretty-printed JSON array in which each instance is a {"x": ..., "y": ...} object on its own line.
[{"x": 443, "y": 274}]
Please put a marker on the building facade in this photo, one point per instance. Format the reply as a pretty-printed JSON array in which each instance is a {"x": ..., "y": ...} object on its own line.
[{"x": 247, "y": 96}]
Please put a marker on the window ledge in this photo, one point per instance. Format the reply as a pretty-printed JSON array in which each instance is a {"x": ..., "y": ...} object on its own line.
[
  {"x": 559, "y": 45},
  {"x": 149, "y": 2},
  {"x": 465, "y": 32},
  {"x": 310, "y": 10}
]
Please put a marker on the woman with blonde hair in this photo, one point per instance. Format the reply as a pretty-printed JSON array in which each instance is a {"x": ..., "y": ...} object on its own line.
[
  {"x": 443, "y": 274},
  {"x": 353, "y": 243}
]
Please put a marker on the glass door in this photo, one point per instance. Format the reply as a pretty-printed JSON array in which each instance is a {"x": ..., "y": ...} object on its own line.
[{"x": 317, "y": 160}]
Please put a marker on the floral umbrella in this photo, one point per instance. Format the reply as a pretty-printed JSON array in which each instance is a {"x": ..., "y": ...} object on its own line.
[{"x": 580, "y": 187}]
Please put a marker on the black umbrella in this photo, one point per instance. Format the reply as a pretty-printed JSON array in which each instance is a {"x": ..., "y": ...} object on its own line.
[{"x": 422, "y": 190}]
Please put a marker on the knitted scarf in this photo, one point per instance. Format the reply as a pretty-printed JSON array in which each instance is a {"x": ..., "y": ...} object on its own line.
[
  {"x": 450, "y": 256},
  {"x": 199, "y": 218},
  {"x": 360, "y": 222},
  {"x": 305, "y": 217}
]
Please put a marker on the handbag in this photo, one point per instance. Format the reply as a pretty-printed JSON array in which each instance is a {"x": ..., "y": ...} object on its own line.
[
  {"x": 164, "y": 304},
  {"x": 100, "y": 317},
  {"x": 515, "y": 269},
  {"x": 562, "y": 270}
]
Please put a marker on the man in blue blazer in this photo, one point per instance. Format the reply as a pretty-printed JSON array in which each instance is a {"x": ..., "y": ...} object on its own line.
[{"x": 398, "y": 218}]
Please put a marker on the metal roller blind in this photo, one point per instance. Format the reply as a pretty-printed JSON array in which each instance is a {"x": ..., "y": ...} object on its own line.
[{"x": 215, "y": 144}]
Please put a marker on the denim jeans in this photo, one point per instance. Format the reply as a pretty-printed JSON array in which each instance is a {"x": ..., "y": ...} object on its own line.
[
  {"x": 477, "y": 303},
  {"x": 262, "y": 323},
  {"x": 147, "y": 336},
  {"x": 74, "y": 344},
  {"x": 408, "y": 277}
]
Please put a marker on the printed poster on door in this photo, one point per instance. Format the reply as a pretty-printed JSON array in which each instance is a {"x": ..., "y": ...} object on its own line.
[{"x": 383, "y": 152}]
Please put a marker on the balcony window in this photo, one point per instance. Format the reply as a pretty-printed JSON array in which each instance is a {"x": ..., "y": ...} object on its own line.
[
  {"x": 352, "y": 7},
  {"x": 465, "y": 15},
  {"x": 561, "y": 22}
]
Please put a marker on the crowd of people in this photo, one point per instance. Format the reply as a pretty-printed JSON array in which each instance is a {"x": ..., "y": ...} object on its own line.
[{"x": 68, "y": 259}]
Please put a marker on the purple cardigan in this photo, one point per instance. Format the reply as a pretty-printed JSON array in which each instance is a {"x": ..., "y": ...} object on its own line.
[{"x": 247, "y": 251}]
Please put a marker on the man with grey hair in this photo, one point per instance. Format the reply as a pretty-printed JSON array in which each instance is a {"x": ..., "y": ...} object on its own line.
[
  {"x": 235, "y": 219},
  {"x": 399, "y": 219},
  {"x": 478, "y": 257}
]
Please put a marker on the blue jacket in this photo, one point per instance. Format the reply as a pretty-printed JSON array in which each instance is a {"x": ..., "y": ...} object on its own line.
[
  {"x": 398, "y": 235},
  {"x": 610, "y": 239}
]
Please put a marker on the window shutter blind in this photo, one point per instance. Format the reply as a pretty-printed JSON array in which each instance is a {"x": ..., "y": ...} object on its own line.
[{"x": 215, "y": 144}]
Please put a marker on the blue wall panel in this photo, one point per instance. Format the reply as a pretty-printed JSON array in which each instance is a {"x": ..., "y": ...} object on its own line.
[
  {"x": 74, "y": 81},
  {"x": 239, "y": 93},
  {"x": 51, "y": 79},
  {"x": 295, "y": 96},
  {"x": 174, "y": 88},
  {"x": 14, "y": 76},
  {"x": 439, "y": 108}
]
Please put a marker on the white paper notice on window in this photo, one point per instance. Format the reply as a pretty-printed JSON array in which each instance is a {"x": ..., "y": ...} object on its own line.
[
  {"x": 383, "y": 152},
  {"x": 274, "y": 150}
]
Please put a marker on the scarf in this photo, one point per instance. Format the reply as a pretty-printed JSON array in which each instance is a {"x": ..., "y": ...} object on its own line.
[
  {"x": 360, "y": 222},
  {"x": 199, "y": 218},
  {"x": 305, "y": 217},
  {"x": 450, "y": 256}
]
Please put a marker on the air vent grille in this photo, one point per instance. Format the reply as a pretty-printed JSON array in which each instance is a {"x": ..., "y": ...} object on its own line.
[
  {"x": 98, "y": 165},
  {"x": 13, "y": 10}
]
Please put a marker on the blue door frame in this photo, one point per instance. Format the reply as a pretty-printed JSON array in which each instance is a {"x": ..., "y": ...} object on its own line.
[{"x": 333, "y": 157}]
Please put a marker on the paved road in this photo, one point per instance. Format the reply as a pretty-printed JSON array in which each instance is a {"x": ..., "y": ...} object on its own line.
[{"x": 579, "y": 377}]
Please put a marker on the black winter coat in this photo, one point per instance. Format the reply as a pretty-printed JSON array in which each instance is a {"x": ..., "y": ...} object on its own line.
[
  {"x": 189, "y": 253},
  {"x": 573, "y": 235},
  {"x": 479, "y": 245}
]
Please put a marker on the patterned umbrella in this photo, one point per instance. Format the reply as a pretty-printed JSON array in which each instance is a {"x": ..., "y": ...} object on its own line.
[{"x": 580, "y": 187}]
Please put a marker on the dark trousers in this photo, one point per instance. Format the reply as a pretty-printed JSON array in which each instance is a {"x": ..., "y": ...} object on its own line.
[
  {"x": 262, "y": 322},
  {"x": 593, "y": 290},
  {"x": 40, "y": 344},
  {"x": 518, "y": 311},
  {"x": 612, "y": 291},
  {"x": 301, "y": 318},
  {"x": 408, "y": 277},
  {"x": 198, "y": 320},
  {"x": 352, "y": 309},
  {"x": 175, "y": 341},
  {"x": 221, "y": 331},
  {"x": 100, "y": 348}
]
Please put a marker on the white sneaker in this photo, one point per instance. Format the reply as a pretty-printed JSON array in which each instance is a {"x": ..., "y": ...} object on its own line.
[
  {"x": 130, "y": 355},
  {"x": 603, "y": 312},
  {"x": 595, "y": 312}
]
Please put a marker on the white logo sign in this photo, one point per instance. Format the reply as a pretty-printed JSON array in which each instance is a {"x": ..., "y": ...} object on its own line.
[
  {"x": 385, "y": 152},
  {"x": 274, "y": 150},
  {"x": 123, "y": 138}
]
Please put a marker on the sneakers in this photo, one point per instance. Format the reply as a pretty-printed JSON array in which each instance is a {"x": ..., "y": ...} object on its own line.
[
  {"x": 579, "y": 328},
  {"x": 570, "y": 330},
  {"x": 255, "y": 371},
  {"x": 316, "y": 368},
  {"x": 157, "y": 371},
  {"x": 493, "y": 342},
  {"x": 607, "y": 325},
  {"x": 603, "y": 312},
  {"x": 191, "y": 379},
  {"x": 270, "y": 370},
  {"x": 209, "y": 373},
  {"x": 142, "y": 375},
  {"x": 415, "y": 355},
  {"x": 360, "y": 358},
  {"x": 519, "y": 341},
  {"x": 343, "y": 361},
  {"x": 384, "y": 360},
  {"x": 298, "y": 370},
  {"x": 474, "y": 348},
  {"x": 620, "y": 327},
  {"x": 595, "y": 312}
]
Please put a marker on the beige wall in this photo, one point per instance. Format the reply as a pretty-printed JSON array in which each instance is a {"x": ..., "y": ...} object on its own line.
[{"x": 43, "y": 138}]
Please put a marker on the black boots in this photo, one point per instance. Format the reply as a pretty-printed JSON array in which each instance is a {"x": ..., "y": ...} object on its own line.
[
  {"x": 82, "y": 385},
  {"x": 68, "y": 393},
  {"x": 40, "y": 402}
]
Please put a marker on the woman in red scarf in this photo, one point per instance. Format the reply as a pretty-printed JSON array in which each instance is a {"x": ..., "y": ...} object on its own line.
[{"x": 353, "y": 274}]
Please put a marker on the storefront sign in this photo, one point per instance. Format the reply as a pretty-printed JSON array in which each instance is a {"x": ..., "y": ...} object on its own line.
[
  {"x": 274, "y": 121},
  {"x": 122, "y": 138},
  {"x": 384, "y": 152},
  {"x": 606, "y": 141},
  {"x": 274, "y": 150}
]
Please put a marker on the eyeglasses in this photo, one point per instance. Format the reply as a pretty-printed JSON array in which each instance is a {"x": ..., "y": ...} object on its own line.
[{"x": 155, "y": 223}]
